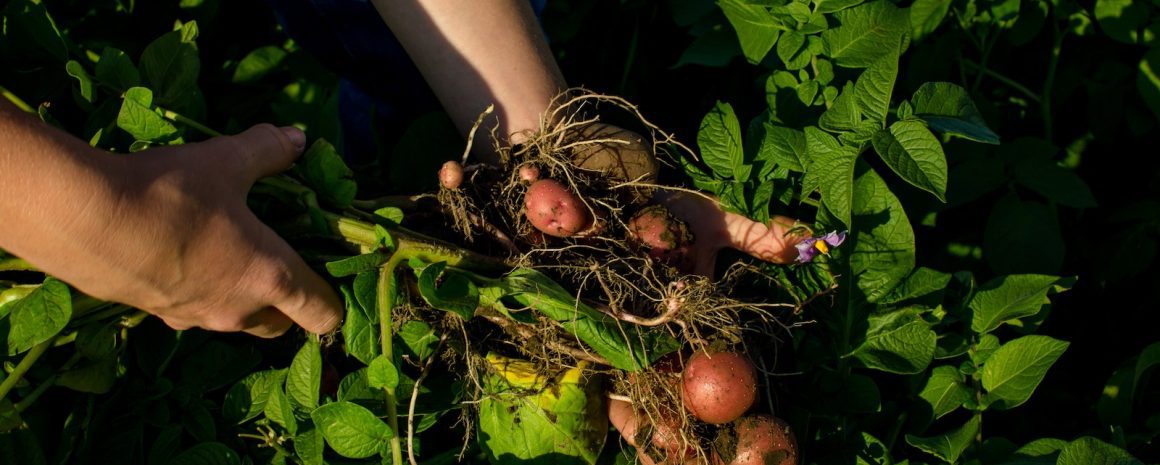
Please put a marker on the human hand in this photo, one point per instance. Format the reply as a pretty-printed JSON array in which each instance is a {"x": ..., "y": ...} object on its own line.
[{"x": 168, "y": 230}]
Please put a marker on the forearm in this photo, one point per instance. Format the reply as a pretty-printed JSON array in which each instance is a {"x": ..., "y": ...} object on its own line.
[
  {"x": 49, "y": 181},
  {"x": 475, "y": 53}
]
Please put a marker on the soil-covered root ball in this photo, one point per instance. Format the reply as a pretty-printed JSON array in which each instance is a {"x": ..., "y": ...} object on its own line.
[
  {"x": 451, "y": 175},
  {"x": 555, "y": 210},
  {"x": 718, "y": 387},
  {"x": 665, "y": 237},
  {"x": 756, "y": 440}
]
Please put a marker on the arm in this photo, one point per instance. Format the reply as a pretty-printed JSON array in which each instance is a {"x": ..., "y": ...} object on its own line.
[
  {"x": 475, "y": 53},
  {"x": 167, "y": 231}
]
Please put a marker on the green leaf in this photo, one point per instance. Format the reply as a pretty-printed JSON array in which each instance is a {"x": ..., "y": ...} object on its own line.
[
  {"x": 831, "y": 6},
  {"x": 170, "y": 65},
  {"x": 881, "y": 243},
  {"x": 1042, "y": 451},
  {"x": 279, "y": 410},
  {"x": 305, "y": 376},
  {"x": 784, "y": 146},
  {"x": 419, "y": 338},
  {"x": 627, "y": 347},
  {"x": 832, "y": 165},
  {"x": 1009, "y": 297},
  {"x": 88, "y": 89},
  {"x": 448, "y": 290},
  {"x": 258, "y": 63},
  {"x": 1148, "y": 80},
  {"x": 524, "y": 417},
  {"x": 1013, "y": 372},
  {"x": 866, "y": 33},
  {"x": 117, "y": 70},
  {"x": 324, "y": 171},
  {"x": 382, "y": 373},
  {"x": 984, "y": 349},
  {"x": 37, "y": 317},
  {"x": 874, "y": 87},
  {"x": 952, "y": 444},
  {"x": 357, "y": 264},
  {"x": 947, "y": 108},
  {"x": 359, "y": 332},
  {"x": 715, "y": 48},
  {"x": 207, "y": 453},
  {"x": 308, "y": 445},
  {"x": 844, "y": 114},
  {"x": 1122, "y": 20},
  {"x": 92, "y": 376},
  {"x": 912, "y": 152},
  {"x": 1023, "y": 237},
  {"x": 139, "y": 119},
  {"x": 757, "y": 29},
  {"x": 28, "y": 23},
  {"x": 719, "y": 139},
  {"x": 97, "y": 341},
  {"x": 1148, "y": 358},
  {"x": 1091, "y": 451},
  {"x": 945, "y": 390},
  {"x": 920, "y": 283},
  {"x": 247, "y": 398},
  {"x": 791, "y": 48},
  {"x": 1055, "y": 182},
  {"x": 897, "y": 342},
  {"x": 926, "y": 16},
  {"x": 351, "y": 430}
]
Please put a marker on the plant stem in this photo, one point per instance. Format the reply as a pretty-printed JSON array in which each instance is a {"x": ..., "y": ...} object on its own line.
[
  {"x": 25, "y": 364},
  {"x": 986, "y": 54},
  {"x": 410, "y": 244},
  {"x": 1049, "y": 82},
  {"x": 1003, "y": 79},
  {"x": 16, "y": 264},
  {"x": 181, "y": 119},
  {"x": 387, "y": 296},
  {"x": 20, "y": 103}
]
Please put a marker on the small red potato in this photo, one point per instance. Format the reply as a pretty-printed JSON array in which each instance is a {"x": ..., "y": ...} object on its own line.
[
  {"x": 451, "y": 175},
  {"x": 664, "y": 435},
  {"x": 664, "y": 236},
  {"x": 719, "y": 386},
  {"x": 555, "y": 210},
  {"x": 529, "y": 173},
  {"x": 756, "y": 440}
]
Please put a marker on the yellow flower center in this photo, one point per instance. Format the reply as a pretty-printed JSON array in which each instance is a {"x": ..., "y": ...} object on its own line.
[{"x": 822, "y": 247}]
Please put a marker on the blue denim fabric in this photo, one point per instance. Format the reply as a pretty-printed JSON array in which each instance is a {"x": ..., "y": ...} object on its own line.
[{"x": 350, "y": 38}]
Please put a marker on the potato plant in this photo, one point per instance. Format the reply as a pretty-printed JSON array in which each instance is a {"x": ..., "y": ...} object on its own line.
[{"x": 566, "y": 305}]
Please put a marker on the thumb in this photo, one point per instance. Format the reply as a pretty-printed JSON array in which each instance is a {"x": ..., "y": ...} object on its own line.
[{"x": 265, "y": 150}]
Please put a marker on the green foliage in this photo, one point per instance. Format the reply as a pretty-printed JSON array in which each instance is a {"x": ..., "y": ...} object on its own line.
[{"x": 351, "y": 430}]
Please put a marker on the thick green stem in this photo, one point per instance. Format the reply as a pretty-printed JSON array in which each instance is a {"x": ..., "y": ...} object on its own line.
[
  {"x": 16, "y": 264},
  {"x": 19, "y": 102},
  {"x": 412, "y": 244},
  {"x": 388, "y": 291},
  {"x": 181, "y": 119},
  {"x": 25, "y": 364}
]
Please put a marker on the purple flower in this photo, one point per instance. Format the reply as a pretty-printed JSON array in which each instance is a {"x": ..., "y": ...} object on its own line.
[{"x": 809, "y": 247}]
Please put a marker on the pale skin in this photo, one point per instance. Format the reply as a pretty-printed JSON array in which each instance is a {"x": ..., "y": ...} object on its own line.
[{"x": 168, "y": 231}]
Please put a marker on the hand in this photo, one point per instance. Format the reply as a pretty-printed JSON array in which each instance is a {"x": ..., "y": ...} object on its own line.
[{"x": 166, "y": 230}]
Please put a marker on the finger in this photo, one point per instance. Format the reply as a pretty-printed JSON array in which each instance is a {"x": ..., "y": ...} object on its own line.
[
  {"x": 176, "y": 324},
  {"x": 306, "y": 298},
  {"x": 268, "y": 323},
  {"x": 265, "y": 150}
]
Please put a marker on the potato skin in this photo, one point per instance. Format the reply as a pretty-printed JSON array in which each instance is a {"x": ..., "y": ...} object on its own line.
[
  {"x": 555, "y": 210},
  {"x": 451, "y": 175},
  {"x": 719, "y": 387},
  {"x": 758, "y": 440},
  {"x": 665, "y": 437},
  {"x": 665, "y": 237},
  {"x": 631, "y": 161}
]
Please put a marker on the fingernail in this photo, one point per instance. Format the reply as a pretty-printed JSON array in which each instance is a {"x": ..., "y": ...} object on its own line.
[{"x": 296, "y": 136}]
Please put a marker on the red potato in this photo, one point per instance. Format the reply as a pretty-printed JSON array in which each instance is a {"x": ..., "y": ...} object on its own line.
[
  {"x": 665, "y": 436},
  {"x": 757, "y": 440},
  {"x": 719, "y": 387},
  {"x": 665, "y": 237},
  {"x": 555, "y": 210},
  {"x": 451, "y": 175}
]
